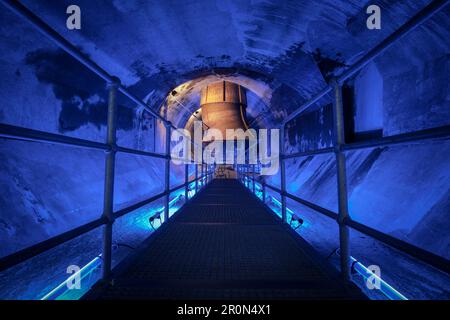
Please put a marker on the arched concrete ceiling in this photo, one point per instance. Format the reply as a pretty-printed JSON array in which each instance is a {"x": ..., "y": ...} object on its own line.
[{"x": 284, "y": 50}]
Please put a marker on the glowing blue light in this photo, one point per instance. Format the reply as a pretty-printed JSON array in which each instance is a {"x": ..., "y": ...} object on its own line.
[
  {"x": 384, "y": 287},
  {"x": 62, "y": 289}
]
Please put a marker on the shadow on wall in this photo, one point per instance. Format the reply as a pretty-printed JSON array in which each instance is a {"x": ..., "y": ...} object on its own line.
[{"x": 81, "y": 92}]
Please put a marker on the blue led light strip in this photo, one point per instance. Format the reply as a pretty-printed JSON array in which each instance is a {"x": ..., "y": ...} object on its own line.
[{"x": 81, "y": 274}]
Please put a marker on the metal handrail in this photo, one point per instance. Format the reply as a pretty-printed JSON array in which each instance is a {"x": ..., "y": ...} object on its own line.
[
  {"x": 142, "y": 153},
  {"x": 69, "y": 48},
  {"x": 405, "y": 29},
  {"x": 61, "y": 42},
  {"x": 410, "y": 137},
  {"x": 339, "y": 143},
  {"x": 111, "y": 148},
  {"x": 64, "y": 44},
  {"x": 43, "y": 246},
  {"x": 19, "y": 133},
  {"x": 12, "y": 132},
  {"x": 410, "y": 249}
]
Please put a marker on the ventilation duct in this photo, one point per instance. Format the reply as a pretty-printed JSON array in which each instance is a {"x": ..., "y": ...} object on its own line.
[{"x": 223, "y": 106}]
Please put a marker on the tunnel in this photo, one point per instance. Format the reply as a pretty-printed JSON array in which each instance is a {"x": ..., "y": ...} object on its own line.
[{"x": 225, "y": 150}]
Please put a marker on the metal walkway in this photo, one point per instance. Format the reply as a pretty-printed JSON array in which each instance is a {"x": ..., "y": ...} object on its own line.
[{"x": 225, "y": 244}]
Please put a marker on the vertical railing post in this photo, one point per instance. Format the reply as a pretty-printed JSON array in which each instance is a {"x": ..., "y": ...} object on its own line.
[
  {"x": 247, "y": 179},
  {"x": 108, "y": 195},
  {"x": 167, "y": 172},
  {"x": 244, "y": 175},
  {"x": 263, "y": 191},
  {"x": 254, "y": 177},
  {"x": 201, "y": 174},
  {"x": 196, "y": 178},
  {"x": 283, "y": 175},
  {"x": 186, "y": 181},
  {"x": 339, "y": 141}
]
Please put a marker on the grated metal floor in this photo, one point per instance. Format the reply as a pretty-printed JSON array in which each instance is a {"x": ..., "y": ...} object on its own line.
[{"x": 225, "y": 244}]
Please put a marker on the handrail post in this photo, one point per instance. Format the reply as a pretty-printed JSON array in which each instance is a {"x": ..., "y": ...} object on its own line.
[
  {"x": 263, "y": 191},
  {"x": 343, "y": 215},
  {"x": 186, "y": 181},
  {"x": 253, "y": 187},
  {"x": 202, "y": 167},
  {"x": 196, "y": 178},
  {"x": 168, "y": 126},
  {"x": 108, "y": 195},
  {"x": 283, "y": 176}
]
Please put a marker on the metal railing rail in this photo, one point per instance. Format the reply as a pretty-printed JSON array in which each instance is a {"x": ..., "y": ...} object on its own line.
[
  {"x": 12, "y": 132},
  {"x": 43, "y": 246},
  {"x": 405, "y": 29},
  {"x": 410, "y": 249},
  {"x": 64, "y": 44},
  {"x": 110, "y": 147},
  {"x": 339, "y": 143},
  {"x": 406, "y": 138},
  {"x": 24, "y": 134}
]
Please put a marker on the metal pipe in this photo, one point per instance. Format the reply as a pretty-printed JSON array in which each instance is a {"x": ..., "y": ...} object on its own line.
[
  {"x": 202, "y": 169},
  {"x": 410, "y": 137},
  {"x": 401, "y": 32},
  {"x": 141, "y": 153},
  {"x": 428, "y": 257},
  {"x": 23, "y": 12},
  {"x": 416, "y": 252},
  {"x": 186, "y": 181},
  {"x": 253, "y": 187},
  {"x": 330, "y": 214},
  {"x": 36, "y": 249},
  {"x": 339, "y": 140},
  {"x": 196, "y": 178},
  {"x": 263, "y": 184},
  {"x": 19, "y": 133},
  {"x": 405, "y": 29},
  {"x": 81, "y": 274},
  {"x": 368, "y": 275},
  {"x": 306, "y": 105},
  {"x": 138, "y": 205},
  {"x": 283, "y": 176},
  {"x": 326, "y": 212},
  {"x": 308, "y": 153},
  {"x": 141, "y": 103},
  {"x": 108, "y": 200},
  {"x": 428, "y": 134},
  {"x": 167, "y": 172}
]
